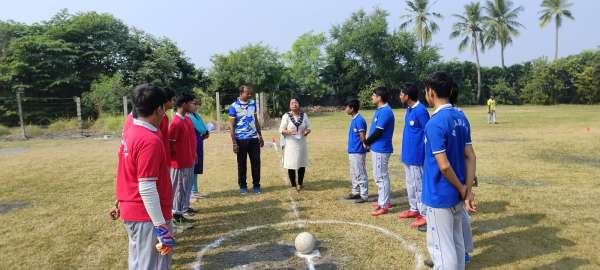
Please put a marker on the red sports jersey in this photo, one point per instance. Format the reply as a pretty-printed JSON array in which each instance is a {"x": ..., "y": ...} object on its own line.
[
  {"x": 142, "y": 158},
  {"x": 182, "y": 138},
  {"x": 127, "y": 124},
  {"x": 164, "y": 131}
]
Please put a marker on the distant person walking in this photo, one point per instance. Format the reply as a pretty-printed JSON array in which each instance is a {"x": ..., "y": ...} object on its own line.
[
  {"x": 491, "y": 105},
  {"x": 246, "y": 138},
  {"x": 295, "y": 126}
]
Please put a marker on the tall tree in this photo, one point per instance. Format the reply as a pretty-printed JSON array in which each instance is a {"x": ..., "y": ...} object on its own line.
[
  {"x": 555, "y": 10},
  {"x": 419, "y": 13},
  {"x": 305, "y": 61},
  {"x": 502, "y": 24},
  {"x": 470, "y": 27}
]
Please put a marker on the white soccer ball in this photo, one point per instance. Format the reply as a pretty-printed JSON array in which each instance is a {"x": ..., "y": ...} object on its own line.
[{"x": 305, "y": 243}]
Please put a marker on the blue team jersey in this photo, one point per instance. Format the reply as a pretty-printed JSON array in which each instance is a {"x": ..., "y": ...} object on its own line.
[
  {"x": 383, "y": 119},
  {"x": 245, "y": 124},
  {"x": 357, "y": 125},
  {"x": 448, "y": 131},
  {"x": 413, "y": 152}
]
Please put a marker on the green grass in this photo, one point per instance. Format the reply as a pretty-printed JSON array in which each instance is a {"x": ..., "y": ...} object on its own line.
[
  {"x": 63, "y": 125},
  {"x": 538, "y": 171},
  {"x": 4, "y": 130},
  {"x": 108, "y": 124}
]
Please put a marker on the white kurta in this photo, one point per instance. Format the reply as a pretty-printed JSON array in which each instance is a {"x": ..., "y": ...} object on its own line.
[{"x": 295, "y": 152}]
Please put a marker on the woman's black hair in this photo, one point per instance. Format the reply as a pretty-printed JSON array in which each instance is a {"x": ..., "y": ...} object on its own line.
[
  {"x": 146, "y": 98},
  {"x": 443, "y": 85},
  {"x": 382, "y": 92}
]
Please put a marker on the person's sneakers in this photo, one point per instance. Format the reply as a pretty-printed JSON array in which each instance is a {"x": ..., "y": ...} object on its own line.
[
  {"x": 243, "y": 191},
  {"x": 179, "y": 219},
  {"x": 375, "y": 205},
  {"x": 352, "y": 196},
  {"x": 420, "y": 221},
  {"x": 257, "y": 190},
  {"x": 191, "y": 210},
  {"x": 408, "y": 214},
  {"x": 428, "y": 263},
  {"x": 361, "y": 200},
  {"x": 422, "y": 228},
  {"x": 380, "y": 211},
  {"x": 467, "y": 258}
]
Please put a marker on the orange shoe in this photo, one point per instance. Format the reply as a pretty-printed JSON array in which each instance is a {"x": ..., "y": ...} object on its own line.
[
  {"x": 380, "y": 211},
  {"x": 420, "y": 221},
  {"x": 408, "y": 214},
  {"x": 375, "y": 205}
]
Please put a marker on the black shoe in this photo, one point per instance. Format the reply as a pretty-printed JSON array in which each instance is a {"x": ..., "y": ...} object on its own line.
[
  {"x": 180, "y": 219},
  {"x": 428, "y": 263},
  {"x": 360, "y": 200},
  {"x": 352, "y": 197},
  {"x": 422, "y": 228},
  {"x": 191, "y": 210}
]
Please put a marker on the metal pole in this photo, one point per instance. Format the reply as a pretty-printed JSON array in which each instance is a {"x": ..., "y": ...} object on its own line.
[
  {"x": 79, "y": 121},
  {"x": 218, "y": 101},
  {"x": 19, "y": 92},
  {"x": 125, "y": 106}
]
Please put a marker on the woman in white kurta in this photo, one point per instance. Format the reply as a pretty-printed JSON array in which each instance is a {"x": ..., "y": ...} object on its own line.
[{"x": 294, "y": 127}]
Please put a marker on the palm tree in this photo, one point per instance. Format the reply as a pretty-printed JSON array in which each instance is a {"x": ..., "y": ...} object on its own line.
[
  {"x": 555, "y": 9},
  {"x": 420, "y": 15},
  {"x": 470, "y": 28},
  {"x": 501, "y": 23}
]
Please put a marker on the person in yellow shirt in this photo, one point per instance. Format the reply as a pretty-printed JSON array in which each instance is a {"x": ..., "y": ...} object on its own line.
[{"x": 491, "y": 104}]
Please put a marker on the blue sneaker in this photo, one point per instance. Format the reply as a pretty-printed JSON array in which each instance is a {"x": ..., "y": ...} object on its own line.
[
  {"x": 257, "y": 190},
  {"x": 243, "y": 191},
  {"x": 467, "y": 258}
]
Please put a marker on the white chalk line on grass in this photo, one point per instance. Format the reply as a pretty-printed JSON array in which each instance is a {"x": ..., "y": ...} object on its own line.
[{"x": 405, "y": 243}]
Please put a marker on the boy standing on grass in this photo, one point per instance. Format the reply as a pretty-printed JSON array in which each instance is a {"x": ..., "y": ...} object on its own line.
[
  {"x": 380, "y": 144},
  {"x": 143, "y": 185},
  {"x": 357, "y": 153},
  {"x": 413, "y": 153},
  {"x": 182, "y": 138},
  {"x": 491, "y": 105},
  {"x": 449, "y": 173}
]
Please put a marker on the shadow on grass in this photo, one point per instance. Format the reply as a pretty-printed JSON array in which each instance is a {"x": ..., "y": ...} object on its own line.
[
  {"x": 518, "y": 220},
  {"x": 487, "y": 207},
  {"x": 554, "y": 156},
  {"x": 564, "y": 263}
]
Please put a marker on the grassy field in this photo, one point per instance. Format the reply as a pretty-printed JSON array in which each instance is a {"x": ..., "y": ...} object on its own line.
[{"x": 538, "y": 171}]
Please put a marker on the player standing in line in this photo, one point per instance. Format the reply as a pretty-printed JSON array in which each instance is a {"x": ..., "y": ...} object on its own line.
[
  {"x": 413, "y": 152},
  {"x": 491, "y": 105},
  {"x": 246, "y": 138},
  {"x": 143, "y": 185},
  {"x": 182, "y": 138},
  {"x": 357, "y": 153},
  {"x": 449, "y": 173},
  {"x": 380, "y": 144}
]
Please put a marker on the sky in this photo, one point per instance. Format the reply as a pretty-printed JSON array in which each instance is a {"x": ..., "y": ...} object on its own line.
[{"x": 204, "y": 28}]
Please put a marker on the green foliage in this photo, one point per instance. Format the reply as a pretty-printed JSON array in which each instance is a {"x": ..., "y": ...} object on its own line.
[
  {"x": 501, "y": 24},
  {"x": 305, "y": 60},
  {"x": 4, "y": 130},
  {"x": 365, "y": 94},
  {"x": 588, "y": 84},
  {"x": 33, "y": 131},
  {"x": 106, "y": 95},
  {"x": 418, "y": 12},
  {"x": 108, "y": 124},
  {"x": 63, "y": 125},
  {"x": 504, "y": 93},
  {"x": 207, "y": 103}
]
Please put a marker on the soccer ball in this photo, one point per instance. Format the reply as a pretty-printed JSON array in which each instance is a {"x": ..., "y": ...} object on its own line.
[{"x": 305, "y": 243}]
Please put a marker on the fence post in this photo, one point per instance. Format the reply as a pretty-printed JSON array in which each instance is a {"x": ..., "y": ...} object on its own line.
[
  {"x": 125, "y": 106},
  {"x": 259, "y": 109},
  {"x": 20, "y": 108},
  {"x": 79, "y": 121},
  {"x": 218, "y": 103}
]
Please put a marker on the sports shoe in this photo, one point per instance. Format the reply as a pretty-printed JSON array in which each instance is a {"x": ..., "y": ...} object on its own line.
[
  {"x": 191, "y": 210},
  {"x": 380, "y": 211},
  {"x": 422, "y": 228},
  {"x": 361, "y": 200},
  {"x": 352, "y": 197},
  {"x": 420, "y": 221},
  {"x": 257, "y": 190},
  {"x": 179, "y": 219},
  {"x": 408, "y": 214},
  {"x": 243, "y": 191},
  {"x": 428, "y": 263},
  {"x": 375, "y": 205},
  {"x": 467, "y": 258}
]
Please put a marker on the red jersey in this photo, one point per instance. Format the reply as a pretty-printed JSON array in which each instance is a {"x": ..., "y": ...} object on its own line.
[
  {"x": 127, "y": 124},
  {"x": 142, "y": 158},
  {"x": 182, "y": 137},
  {"x": 164, "y": 131}
]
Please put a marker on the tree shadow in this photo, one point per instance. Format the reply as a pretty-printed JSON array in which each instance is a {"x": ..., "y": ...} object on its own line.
[
  {"x": 492, "y": 206},
  {"x": 564, "y": 263},
  {"x": 518, "y": 220}
]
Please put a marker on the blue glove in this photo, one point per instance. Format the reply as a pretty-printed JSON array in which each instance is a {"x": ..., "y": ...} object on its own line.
[{"x": 165, "y": 239}]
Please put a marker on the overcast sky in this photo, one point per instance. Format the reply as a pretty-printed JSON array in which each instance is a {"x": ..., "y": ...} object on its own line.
[{"x": 204, "y": 28}]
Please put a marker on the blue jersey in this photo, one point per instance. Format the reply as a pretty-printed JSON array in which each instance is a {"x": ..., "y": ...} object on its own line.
[
  {"x": 358, "y": 125},
  {"x": 383, "y": 119},
  {"x": 245, "y": 124},
  {"x": 413, "y": 152},
  {"x": 448, "y": 131}
]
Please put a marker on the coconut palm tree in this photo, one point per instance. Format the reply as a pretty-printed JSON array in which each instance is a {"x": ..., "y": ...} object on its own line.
[
  {"x": 470, "y": 28},
  {"x": 419, "y": 14},
  {"x": 501, "y": 24},
  {"x": 555, "y": 9}
]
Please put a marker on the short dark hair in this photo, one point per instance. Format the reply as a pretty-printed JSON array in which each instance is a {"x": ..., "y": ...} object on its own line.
[
  {"x": 184, "y": 98},
  {"x": 146, "y": 98},
  {"x": 382, "y": 92},
  {"x": 443, "y": 85},
  {"x": 169, "y": 94},
  {"x": 354, "y": 104},
  {"x": 243, "y": 86},
  {"x": 411, "y": 91}
]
